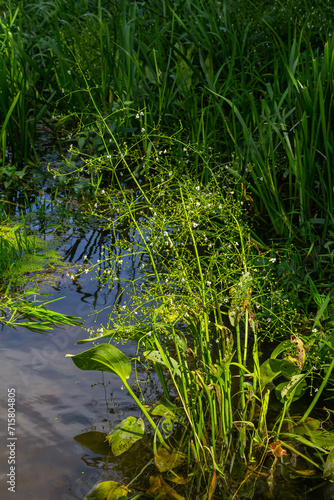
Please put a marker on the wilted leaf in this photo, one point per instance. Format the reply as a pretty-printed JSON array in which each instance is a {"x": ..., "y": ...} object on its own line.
[
  {"x": 167, "y": 460},
  {"x": 107, "y": 490},
  {"x": 125, "y": 434}
]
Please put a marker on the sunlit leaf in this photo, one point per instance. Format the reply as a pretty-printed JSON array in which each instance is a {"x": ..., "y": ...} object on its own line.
[
  {"x": 166, "y": 460},
  {"x": 125, "y": 434},
  {"x": 107, "y": 490},
  {"x": 104, "y": 357}
]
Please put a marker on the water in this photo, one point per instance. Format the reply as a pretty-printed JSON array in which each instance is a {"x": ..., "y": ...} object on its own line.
[{"x": 56, "y": 402}]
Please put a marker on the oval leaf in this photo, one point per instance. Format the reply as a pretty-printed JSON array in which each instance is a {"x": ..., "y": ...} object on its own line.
[
  {"x": 107, "y": 490},
  {"x": 104, "y": 357},
  {"x": 125, "y": 434}
]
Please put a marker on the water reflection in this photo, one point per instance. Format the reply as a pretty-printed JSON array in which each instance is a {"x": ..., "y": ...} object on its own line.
[{"x": 56, "y": 402}]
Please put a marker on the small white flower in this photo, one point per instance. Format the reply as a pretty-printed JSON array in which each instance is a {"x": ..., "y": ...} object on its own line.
[
  {"x": 198, "y": 188},
  {"x": 208, "y": 283},
  {"x": 137, "y": 115},
  {"x": 143, "y": 130},
  {"x": 103, "y": 191},
  {"x": 69, "y": 71},
  {"x": 273, "y": 259},
  {"x": 314, "y": 330},
  {"x": 63, "y": 90}
]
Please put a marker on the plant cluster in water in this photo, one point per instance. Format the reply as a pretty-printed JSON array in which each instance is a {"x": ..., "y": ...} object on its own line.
[{"x": 203, "y": 132}]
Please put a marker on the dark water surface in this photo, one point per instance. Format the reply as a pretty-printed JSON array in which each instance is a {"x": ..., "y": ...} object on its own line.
[{"x": 55, "y": 401}]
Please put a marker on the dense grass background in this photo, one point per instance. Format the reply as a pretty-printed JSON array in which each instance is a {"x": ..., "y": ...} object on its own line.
[{"x": 252, "y": 81}]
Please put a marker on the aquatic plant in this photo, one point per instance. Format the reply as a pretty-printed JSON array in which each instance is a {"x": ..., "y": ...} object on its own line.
[{"x": 204, "y": 303}]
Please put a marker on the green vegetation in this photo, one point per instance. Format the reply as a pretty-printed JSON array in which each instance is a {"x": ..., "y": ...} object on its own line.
[
  {"x": 202, "y": 132},
  {"x": 23, "y": 255}
]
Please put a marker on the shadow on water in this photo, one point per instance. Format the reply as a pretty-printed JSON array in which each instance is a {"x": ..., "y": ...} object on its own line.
[{"x": 63, "y": 413}]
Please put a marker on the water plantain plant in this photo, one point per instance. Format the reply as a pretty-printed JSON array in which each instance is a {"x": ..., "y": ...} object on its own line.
[{"x": 202, "y": 310}]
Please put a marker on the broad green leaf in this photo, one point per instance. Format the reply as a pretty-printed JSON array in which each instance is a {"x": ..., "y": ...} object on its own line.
[
  {"x": 282, "y": 347},
  {"x": 125, "y": 434},
  {"x": 269, "y": 370},
  {"x": 107, "y": 490},
  {"x": 289, "y": 369},
  {"x": 95, "y": 441},
  {"x": 168, "y": 460},
  {"x": 104, "y": 357}
]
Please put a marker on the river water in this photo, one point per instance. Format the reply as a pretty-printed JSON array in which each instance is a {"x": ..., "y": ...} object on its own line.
[{"x": 62, "y": 413}]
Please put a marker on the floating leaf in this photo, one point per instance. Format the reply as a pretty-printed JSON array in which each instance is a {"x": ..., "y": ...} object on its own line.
[
  {"x": 107, "y": 490},
  {"x": 125, "y": 434},
  {"x": 168, "y": 460},
  {"x": 94, "y": 441},
  {"x": 104, "y": 357},
  {"x": 160, "y": 489}
]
